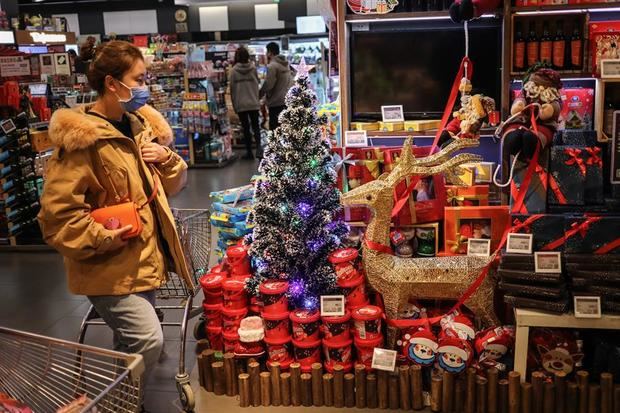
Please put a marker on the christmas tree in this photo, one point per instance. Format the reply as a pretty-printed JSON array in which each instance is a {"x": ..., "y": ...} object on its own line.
[{"x": 296, "y": 204}]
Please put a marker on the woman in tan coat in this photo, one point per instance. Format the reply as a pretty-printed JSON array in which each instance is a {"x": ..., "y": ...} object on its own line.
[{"x": 108, "y": 153}]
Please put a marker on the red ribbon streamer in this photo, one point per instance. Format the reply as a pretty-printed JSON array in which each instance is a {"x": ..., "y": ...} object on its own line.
[
  {"x": 574, "y": 158},
  {"x": 605, "y": 249},
  {"x": 375, "y": 246},
  {"x": 594, "y": 159},
  {"x": 518, "y": 206},
  {"x": 400, "y": 202}
]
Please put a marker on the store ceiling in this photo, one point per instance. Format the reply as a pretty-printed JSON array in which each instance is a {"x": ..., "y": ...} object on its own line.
[{"x": 56, "y": 2}]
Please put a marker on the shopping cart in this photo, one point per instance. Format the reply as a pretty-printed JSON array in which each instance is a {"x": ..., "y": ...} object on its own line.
[
  {"x": 47, "y": 374},
  {"x": 195, "y": 233}
]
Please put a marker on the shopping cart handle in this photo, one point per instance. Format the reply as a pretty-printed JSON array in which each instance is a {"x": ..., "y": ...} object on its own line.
[{"x": 135, "y": 366}]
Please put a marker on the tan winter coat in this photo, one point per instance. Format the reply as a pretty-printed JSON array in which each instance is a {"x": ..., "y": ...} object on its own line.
[{"x": 94, "y": 166}]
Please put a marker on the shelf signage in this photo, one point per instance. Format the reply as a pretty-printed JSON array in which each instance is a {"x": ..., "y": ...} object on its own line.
[{"x": 44, "y": 37}]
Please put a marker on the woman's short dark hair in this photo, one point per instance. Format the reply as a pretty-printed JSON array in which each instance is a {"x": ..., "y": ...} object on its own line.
[
  {"x": 242, "y": 55},
  {"x": 114, "y": 58}
]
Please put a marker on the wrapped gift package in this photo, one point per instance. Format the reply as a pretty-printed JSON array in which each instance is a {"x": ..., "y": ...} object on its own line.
[
  {"x": 575, "y": 138},
  {"x": 545, "y": 228},
  {"x": 462, "y": 223},
  {"x": 559, "y": 306},
  {"x": 535, "y": 200},
  {"x": 604, "y": 36},
  {"x": 592, "y": 234},
  {"x": 567, "y": 176},
  {"x": 476, "y": 195},
  {"x": 577, "y": 108}
]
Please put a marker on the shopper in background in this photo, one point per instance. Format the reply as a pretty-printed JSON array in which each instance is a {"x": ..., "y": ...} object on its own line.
[
  {"x": 277, "y": 83},
  {"x": 244, "y": 93},
  {"x": 107, "y": 153},
  {"x": 87, "y": 53}
]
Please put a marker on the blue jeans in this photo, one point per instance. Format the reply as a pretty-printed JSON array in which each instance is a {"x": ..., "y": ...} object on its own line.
[{"x": 134, "y": 322}]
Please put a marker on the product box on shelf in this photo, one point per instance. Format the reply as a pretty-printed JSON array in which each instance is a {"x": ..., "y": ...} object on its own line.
[
  {"x": 367, "y": 126},
  {"x": 545, "y": 229},
  {"x": 482, "y": 222},
  {"x": 391, "y": 126},
  {"x": 476, "y": 195},
  {"x": 577, "y": 108},
  {"x": 421, "y": 125},
  {"x": 231, "y": 195},
  {"x": 426, "y": 201},
  {"x": 604, "y": 37},
  {"x": 568, "y": 172}
]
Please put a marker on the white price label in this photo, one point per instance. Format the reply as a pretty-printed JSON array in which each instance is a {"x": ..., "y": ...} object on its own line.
[
  {"x": 519, "y": 243},
  {"x": 355, "y": 138},
  {"x": 548, "y": 262},
  {"x": 392, "y": 113},
  {"x": 477, "y": 247},
  {"x": 332, "y": 305},
  {"x": 587, "y": 307},
  {"x": 383, "y": 359}
]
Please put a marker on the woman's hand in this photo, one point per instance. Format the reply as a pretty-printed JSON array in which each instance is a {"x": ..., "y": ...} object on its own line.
[{"x": 154, "y": 153}]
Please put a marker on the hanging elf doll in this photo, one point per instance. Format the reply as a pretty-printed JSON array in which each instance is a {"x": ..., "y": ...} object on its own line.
[{"x": 541, "y": 88}]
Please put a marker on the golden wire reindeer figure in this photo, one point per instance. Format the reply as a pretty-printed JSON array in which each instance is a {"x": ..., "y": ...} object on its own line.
[{"x": 398, "y": 279}]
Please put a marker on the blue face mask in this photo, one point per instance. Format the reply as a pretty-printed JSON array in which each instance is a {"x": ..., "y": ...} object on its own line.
[{"x": 139, "y": 96}]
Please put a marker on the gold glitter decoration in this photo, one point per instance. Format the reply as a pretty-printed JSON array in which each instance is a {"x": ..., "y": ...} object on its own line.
[{"x": 399, "y": 279}]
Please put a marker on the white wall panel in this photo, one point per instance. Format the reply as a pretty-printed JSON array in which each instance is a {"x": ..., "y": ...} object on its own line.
[
  {"x": 130, "y": 22},
  {"x": 213, "y": 18},
  {"x": 266, "y": 16}
]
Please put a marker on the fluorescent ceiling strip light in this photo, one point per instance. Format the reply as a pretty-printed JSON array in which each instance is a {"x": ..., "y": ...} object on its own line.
[
  {"x": 568, "y": 11},
  {"x": 414, "y": 18},
  {"x": 564, "y": 79}
]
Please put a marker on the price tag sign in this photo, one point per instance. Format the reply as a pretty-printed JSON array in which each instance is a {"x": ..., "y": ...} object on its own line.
[
  {"x": 587, "y": 307},
  {"x": 548, "y": 262},
  {"x": 610, "y": 68},
  {"x": 7, "y": 126},
  {"x": 519, "y": 243},
  {"x": 332, "y": 305},
  {"x": 383, "y": 359},
  {"x": 355, "y": 138},
  {"x": 477, "y": 247},
  {"x": 392, "y": 113}
]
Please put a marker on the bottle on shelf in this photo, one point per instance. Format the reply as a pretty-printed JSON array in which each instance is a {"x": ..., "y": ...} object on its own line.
[
  {"x": 533, "y": 46},
  {"x": 9, "y": 184},
  {"x": 23, "y": 165},
  {"x": 519, "y": 49},
  {"x": 21, "y": 226},
  {"x": 21, "y": 197},
  {"x": 559, "y": 46},
  {"x": 576, "y": 47},
  {"x": 546, "y": 44},
  {"x": 11, "y": 153},
  {"x": 15, "y": 213}
]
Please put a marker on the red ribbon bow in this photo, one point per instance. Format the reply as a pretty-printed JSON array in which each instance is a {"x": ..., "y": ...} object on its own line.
[
  {"x": 581, "y": 229},
  {"x": 594, "y": 158},
  {"x": 574, "y": 158},
  {"x": 522, "y": 225}
]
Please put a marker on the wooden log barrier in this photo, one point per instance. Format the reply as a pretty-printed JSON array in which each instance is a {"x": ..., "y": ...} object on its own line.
[
  {"x": 404, "y": 388},
  {"x": 607, "y": 390},
  {"x": 209, "y": 359},
  {"x": 560, "y": 391},
  {"x": 594, "y": 398},
  {"x": 328, "y": 389},
  {"x": 502, "y": 399},
  {"x": 229, "y": 373},
  {"x": 200, "y": 360},
  {"x": 295, "y": 370},
  {"x": 492, "y": 378},
  {"x": 582, "y": 381},
  {"x": 244, "y": 390},
  {"x": 447, "y": 392},
  {"x": 382, "y": 389},
  {"x": 254, "y": 371},
  {"x": 360, "y": 386},
  {"x": 417, "y": 402},
  {"x": 514, "y": 392},
  {"x": 285, "y": 388},
  {"x": 219, "y": 378},
  {"x": 470, "y": 391},
  {"x": 306, "y": 390},
  {"x": 338, "y": 386},
  {"x": 349, "y": 390},
  {"x": 394, "y": 400},
  {"x": 617, "y": 398},
  {"x": 538, "y": 379},
  {"x": 572, "y": 397},
  {"x": 526, "y": 397},
  {"x": 276, "y": 390},
  {"x": 317, "y": 384},
  {"x": 481, "y": 395},
  {"x": 265, "y": 388},
  {"x": 436, "y": 388},
  {"x": 549, "y": 397},
  {"x": 371, "y": 391},
  {"x": 459, "y": 395}
]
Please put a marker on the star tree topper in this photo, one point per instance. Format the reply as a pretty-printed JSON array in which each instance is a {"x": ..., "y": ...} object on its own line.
[{"x": 302, "y": 68}]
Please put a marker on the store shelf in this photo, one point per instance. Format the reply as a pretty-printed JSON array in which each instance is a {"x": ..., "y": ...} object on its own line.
[
  {"x": 216, "y": 163},
  {"x": 432, "y": 132},
  {"x": 566, "y": 8},
  {"x": 564, "y": 74}
]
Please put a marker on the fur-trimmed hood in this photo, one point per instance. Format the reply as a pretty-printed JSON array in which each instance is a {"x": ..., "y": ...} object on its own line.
[{"x": 73, "y": 129}]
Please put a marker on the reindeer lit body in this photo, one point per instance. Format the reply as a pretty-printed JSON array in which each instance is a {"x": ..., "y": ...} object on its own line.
[{"x": 398, "y": 279}]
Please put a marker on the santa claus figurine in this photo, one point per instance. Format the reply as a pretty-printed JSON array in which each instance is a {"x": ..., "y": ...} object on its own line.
[{"x": 541, "y": 94}]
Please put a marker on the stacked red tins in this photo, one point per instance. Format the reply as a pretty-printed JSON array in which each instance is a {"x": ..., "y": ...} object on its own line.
[
  {"x": 235, "y": 296},
  {"x": 277, "y": 325},
  {"x": 237, "y": 260},
  {"x": 337, "y": 342},
  {"x": 349, "y": 278},
  {"x": 367, "y": 332},
  {"x": 306, "y": 339},
  {"x": 235, "y": 309}
]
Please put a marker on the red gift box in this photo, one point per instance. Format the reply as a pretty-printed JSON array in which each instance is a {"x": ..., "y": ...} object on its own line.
[
  {"x": 427, "y": 200},
  {"x": 604, "y": 36},
  {"x": 463, "y": 223}
]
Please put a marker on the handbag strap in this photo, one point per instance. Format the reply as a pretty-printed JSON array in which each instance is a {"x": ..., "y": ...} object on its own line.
[{"x": 155, "y": 188}]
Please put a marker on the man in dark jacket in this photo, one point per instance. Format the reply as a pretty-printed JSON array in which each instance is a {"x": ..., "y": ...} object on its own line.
[{"x": 277, "y": 83}]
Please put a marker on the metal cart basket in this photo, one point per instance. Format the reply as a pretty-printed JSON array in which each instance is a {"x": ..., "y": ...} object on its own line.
[
  {"x": 194, "y": 231},
  {"x": 47, "y": 374}
]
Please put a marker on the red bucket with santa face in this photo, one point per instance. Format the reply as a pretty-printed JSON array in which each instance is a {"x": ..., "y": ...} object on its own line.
[
  {"x": 238, "y": 261},
  {"x": 235, "y": 295},
  {"x": 214, "y": 335},
  {"x": 213, "y": 314},
  {"x": 354, "y": 290},
  {"x": 212, "y": 287},
  {"x": 365, "y": 349},
  {"x": 306, "y": 353},
  {"x": 343, "y": 261},
  {"x": 276, "y": 325},
  {"x": 336, "y": 327},
  {"x": 279, "y": 349},
  {"x": 305, "y": 325},
  {"x": 337, "y": 352},
  {"x": 230, "y": 341},
  {"x": 273, "y": 296},
  {"x": 367, "y": 322},
  {"x": 454, "y": 354},
  {"x": 232, "y": 318}
]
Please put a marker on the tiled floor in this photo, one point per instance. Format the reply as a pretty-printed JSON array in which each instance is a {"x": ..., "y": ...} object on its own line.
[{"x": 34, "y": 295}]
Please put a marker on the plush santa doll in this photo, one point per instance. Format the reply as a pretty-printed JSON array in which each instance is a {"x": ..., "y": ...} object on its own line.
[
  {"x": 462, "y": 10},
  {"x": 542, "y": 87}
]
